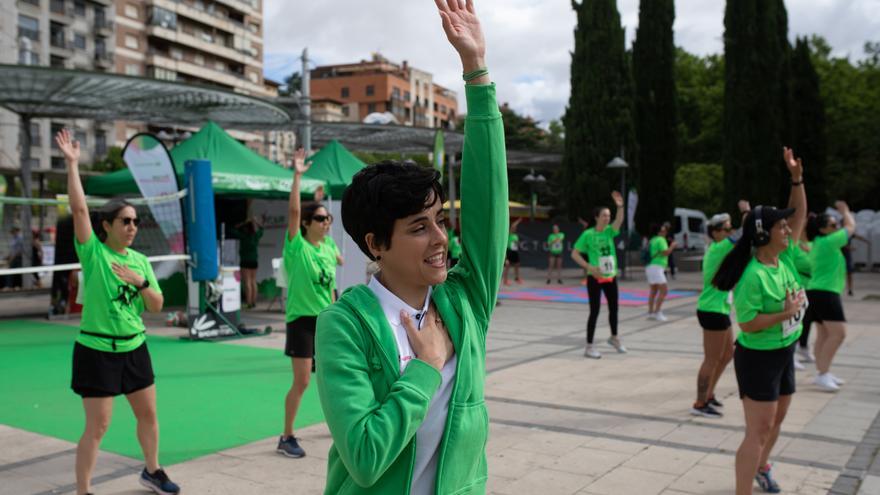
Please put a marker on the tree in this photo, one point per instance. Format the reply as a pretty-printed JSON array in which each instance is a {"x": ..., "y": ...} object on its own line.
[
  {"x": 808, "y": 124},
  {"x": 112, "y": 162},
  {"x": 700, "y": 88},
  {"x": 521, "y": 132},
  {"x": 292, "y": 84},
  {"x": 599, "y": 117},
  {"x": 700, "y": 186},
  {"x": 755, "y": 106},
  {"x": 656, "y": 111}
]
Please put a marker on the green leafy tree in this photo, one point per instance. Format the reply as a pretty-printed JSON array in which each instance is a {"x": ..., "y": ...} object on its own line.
[
  {"x": 700, "y": 186},
  {"x": 808, "y": 124},
  {"x": 292, "y": 84},
  {"x": 110, "y": 163},
  {"x": 599, "y": 117},
  {"x": 756, "y": 110},
  {"x": 700, "y": 89},
  {"x": 656, "y": 111}
]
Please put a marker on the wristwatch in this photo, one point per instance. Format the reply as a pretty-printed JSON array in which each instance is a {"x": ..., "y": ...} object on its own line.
[{"x": 144, "y": 285}]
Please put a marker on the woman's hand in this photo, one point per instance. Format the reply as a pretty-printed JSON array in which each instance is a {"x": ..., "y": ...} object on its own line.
[
  {"x": 795, "y": 166},
  {"x": 463, "y": 31},
  {"x": 793, "y": 303},
  {"x": 618, "y": 199},
  {"x": 69, "y": 147},
  {"x": 431, "y": 342},
  {"x": 300, "y": 165},
  {"x": 127, "y": 275}
]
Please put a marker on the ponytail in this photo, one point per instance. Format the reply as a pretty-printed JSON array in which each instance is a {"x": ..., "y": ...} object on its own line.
[{"x": 737, "y": 260}]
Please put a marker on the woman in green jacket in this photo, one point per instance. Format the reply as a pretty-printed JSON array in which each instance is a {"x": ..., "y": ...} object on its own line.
[
  {"x": 770, "y": 303},
  {"x": 402, "y": 361}
]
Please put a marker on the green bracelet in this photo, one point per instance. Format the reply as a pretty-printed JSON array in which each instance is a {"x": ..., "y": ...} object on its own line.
[{"x": 470, "y": 76}]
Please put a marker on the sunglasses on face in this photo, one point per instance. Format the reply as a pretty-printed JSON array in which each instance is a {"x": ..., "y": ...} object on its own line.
[
  {"x": 322, "y": 218},
  {"x": 129, "y": 220}
]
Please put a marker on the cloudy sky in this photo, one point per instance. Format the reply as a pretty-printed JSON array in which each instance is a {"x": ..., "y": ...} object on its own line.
[{"x": 528, "y": 41}]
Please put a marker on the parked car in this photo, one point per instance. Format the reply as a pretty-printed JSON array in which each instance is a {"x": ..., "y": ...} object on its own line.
[{"x": 689, "y": 228}]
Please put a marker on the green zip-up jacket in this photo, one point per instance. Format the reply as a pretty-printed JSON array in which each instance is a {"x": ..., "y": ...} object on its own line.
[{"x": 373, "y": 411}]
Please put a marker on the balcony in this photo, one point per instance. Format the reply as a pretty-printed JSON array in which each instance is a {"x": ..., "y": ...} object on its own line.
[
  {"x": 203, "y": 45},
  {"x": 104, "y": 59},
  {"x": 58, "y": 7},
  {"x": 31, "y": 34},
  {"x": 103, "y": 25},
  {"x": 206, "y": 73}
]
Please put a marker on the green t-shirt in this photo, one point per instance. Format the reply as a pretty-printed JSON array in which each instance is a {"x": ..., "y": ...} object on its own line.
[
  {"x": 599, "y": 248},
  {"x": 513, "y": 241},
  {"x": 711, "y": 299},
  {"x": 762, "y": 290},
  {"x": 829, "y": 264},
  {"x": 311, "y": 275},
  {"x": 248, "y": 245},
  {"x": 111, "y": 306},
  {"x": 802, "y": 263},
  {"x": 454, "y": 246},
  {"x": 556, "y": 243},
  {"x": 657, "y": 246}
]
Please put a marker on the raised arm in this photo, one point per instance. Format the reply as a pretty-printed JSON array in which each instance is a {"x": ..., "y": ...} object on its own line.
[
  {"x": 618, "y": 215},
  {"x": 515, "y": 224},
  {"x": 293, "y": 204},
  {"x": 798, "y": 197},
  {"x": 849, "y": 222},
  {"x": 484, "y": 212},
  {"x": 82, "y": 224}
]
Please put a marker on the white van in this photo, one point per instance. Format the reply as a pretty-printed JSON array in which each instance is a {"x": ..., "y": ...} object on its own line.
[{"x": 689, "y": 228}]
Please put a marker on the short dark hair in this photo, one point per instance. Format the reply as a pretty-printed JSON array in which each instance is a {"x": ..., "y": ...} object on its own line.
[
  {"x": 308, "y": 212},
  {"x": 598, "y": 211},
  {"x": 654, "y": 229},
  {"x": 108, "y": 213},
  {"x": 382, "y": 193},
  {"x": 815, "y": 223}
]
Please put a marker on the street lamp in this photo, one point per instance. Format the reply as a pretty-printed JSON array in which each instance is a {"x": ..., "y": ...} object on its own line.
[
  {"x": 619, "y": 163},
  {"x": 533, "y": 181}
]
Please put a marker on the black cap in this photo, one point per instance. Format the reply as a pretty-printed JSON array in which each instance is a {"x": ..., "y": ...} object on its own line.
[{"x": 769, "y": 216}]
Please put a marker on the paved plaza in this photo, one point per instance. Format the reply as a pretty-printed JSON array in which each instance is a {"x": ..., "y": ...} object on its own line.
[{"x": 562, "y": 423}]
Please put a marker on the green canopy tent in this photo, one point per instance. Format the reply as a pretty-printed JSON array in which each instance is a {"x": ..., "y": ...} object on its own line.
[
  {"x": 236, "y": 170},
  {"x": 335, "y": 165}
]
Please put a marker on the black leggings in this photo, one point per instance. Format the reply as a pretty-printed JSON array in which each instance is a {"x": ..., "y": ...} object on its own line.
[{"x": 594, "y": 291}]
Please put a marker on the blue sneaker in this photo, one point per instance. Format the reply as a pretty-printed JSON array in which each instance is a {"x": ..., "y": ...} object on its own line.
[
  {"x": 159, "y": 482},
  {"x": 290, "y": 447},
  {"x": 766, "y": 482}
]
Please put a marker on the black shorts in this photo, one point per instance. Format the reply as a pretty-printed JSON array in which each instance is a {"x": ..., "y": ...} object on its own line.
[
  {"x": 764, "y": 375},
  {"x": 557, "y": 256},
  {"x": 713, "y": 321},
  {"x": 108, "y": 374},
  {"x": 300, "y": 341},
  {"x": 253, "y": 265},
  {"x": 825, "y": 306},
  {"x": 513, "y": 256}
]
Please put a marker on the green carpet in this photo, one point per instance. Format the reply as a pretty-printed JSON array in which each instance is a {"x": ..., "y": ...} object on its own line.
[{"x": 210, "y": 396}]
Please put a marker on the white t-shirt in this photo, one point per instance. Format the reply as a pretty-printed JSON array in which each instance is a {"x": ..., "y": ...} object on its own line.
[{"x": 430, "y": 433}]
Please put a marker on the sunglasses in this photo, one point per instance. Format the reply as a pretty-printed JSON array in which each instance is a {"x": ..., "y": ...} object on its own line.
[
  {"x": 323, "y": 218},
  {"x": 129, "y": 220}
]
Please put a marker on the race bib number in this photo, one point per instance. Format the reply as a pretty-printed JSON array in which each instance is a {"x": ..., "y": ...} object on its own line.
[
  {"x": 607, "y": 264},
  {"x": 556, "y": 246},
  {"x": 791, "y": 324}
]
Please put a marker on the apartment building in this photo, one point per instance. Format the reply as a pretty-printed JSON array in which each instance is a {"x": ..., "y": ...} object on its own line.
[
  {"x": 68, "y": 34},
  {"x": 379, "y": 85}
]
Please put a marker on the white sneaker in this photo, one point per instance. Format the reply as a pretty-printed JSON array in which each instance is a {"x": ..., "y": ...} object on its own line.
[
  {"x": 797, "y": 365},
  {"x": 805, "y": 354},
  {"x": 837, "y": 381},
  {"x": 615, "y": 343},
  {"x": 592, "y": 352},
  {"x": 825, "y": 383},
  {"x": 659, "y": 316},
  {"x": 651, "y": 316}
]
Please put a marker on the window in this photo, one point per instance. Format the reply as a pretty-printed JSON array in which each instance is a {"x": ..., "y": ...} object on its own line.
[
  {"x": 100, "y": 47},
  {"x": 56, "y": 128},
  {"x": 345, "y": 110},
  {"x": 407, "y": 96},
  {"x": 371, "y": 108},
  {"x": 35, "y": 134},
  {"x": 395, "y": 93},
  {"x": 79, "y": 8},
  {"x": 79, "y": 41},
  {"x": 371, "y": 90},
  {"x": 132, "y": 69},
  {"x": 164, "y": 74},
  {"x": 695, "y": 224},
  {"x": 345, "y": 92},
  {"x": 436, "y": 107},
  {"x": 28, "y": 57},
  {"x": 100, "y": 142},
  {"x": 199, "y": 59},
  {"x": 56, "y": 35},
  {"x": 163, "y": 18},
  {"x": 131, "y": 11},
  {"x": 57, "y": 62},
  {"x": 58, "y": 163},
  {"x": 176, "y": 53},
  {"x": 219, "y": 65},
  {"x": 101, "y": 18},
  {"x": 56, "y": 6},
  {"x": 131, "y": 42},
  {"x": 28, "y": 27}
]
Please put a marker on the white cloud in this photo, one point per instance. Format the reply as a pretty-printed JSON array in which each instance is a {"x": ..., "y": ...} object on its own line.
[{"x": 529, "y": 42}]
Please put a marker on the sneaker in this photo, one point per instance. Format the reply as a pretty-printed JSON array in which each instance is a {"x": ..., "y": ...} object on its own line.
[
  {"x": 825, "y": 382},
  {"x": 615, "y": 343},
  {"x": 706, "y": 411},
  {"x": 797, "y": 364},
  {"x": 559, "y": 280},
  {"x": 659, "y": 316},
  {"x": 837, "y": 381},
  {"x": 290, "y": 447},
  {"x": 766, "y": 482},
  {"x": 714, "y": 402},
  {"x": 591, "y": 352},
  {"x": 805, "y": 354},
  {"x": 651, "y": 316},
  {"x": 159, "y": 482},
  {"x": 548, "y": 281}
]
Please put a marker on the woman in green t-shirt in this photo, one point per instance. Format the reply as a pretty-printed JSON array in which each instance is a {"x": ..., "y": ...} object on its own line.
[
  {"x": 770, "y": 303},
  {"x": 594, "y": 251},
  {"x": 824, "y": 288},
  {"x": 309, "y": 257},
  {"x": 655, "y": 271},
  {"x": 110, "y": 356},
  {"x": 555, "y": 245},
  {"x": 249, "y": 233},
  {"x": 512, "y": 257}
]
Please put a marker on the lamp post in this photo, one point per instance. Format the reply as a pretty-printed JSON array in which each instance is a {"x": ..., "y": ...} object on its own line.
[
  {"x": 533, "y": 181},
  {"x": 619, "y": 163}
]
